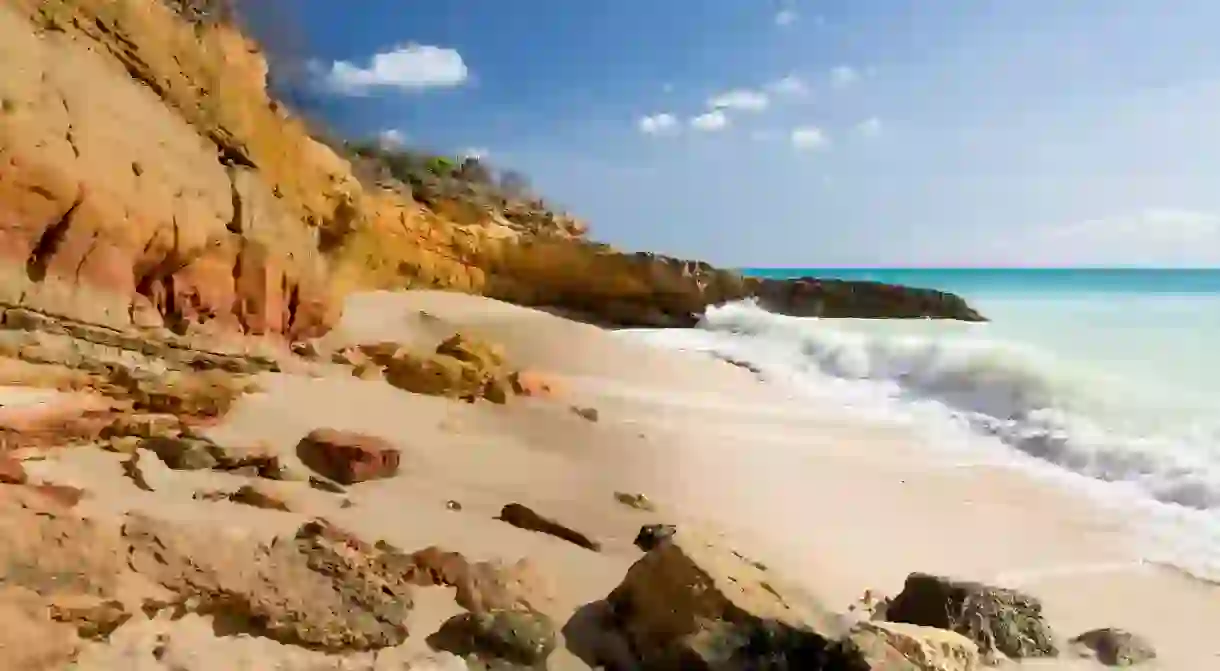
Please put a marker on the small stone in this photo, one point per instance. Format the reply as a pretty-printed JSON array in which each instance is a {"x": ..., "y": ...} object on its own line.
[
  {"x": 523, "y": 517},
  {"x": 182, "y": 454},
  {"x": 322, "y": 484},
  {"x": 453, "y": 505},
  {"x": 258, "y": 497},
  {"x": 590, "y": 414},
  {"x": 11, "y": 471},
  {"x": 1115, "y": 647},
  {"x": 652, "y": 535},
  {"x": 637, "y": 501}
]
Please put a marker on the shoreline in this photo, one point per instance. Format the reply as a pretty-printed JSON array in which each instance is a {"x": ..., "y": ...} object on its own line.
[{"x": 829, "y": 502}]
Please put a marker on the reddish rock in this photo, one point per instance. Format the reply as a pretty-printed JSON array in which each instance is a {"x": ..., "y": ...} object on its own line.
[
  {"x": 529, "y": 383},
  {"x": 348, "y": 457},
  {"x": 64, "y": 495},
  {"x": 11, "y": 471},
  {"x": 59, "y": 419}
]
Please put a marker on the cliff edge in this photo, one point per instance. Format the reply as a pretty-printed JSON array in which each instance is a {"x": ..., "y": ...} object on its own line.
[{"x": 148, "y": 181}]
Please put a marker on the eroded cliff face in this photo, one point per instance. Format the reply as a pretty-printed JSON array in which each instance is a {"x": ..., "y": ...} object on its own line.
[{"x": 148, "y": 180}]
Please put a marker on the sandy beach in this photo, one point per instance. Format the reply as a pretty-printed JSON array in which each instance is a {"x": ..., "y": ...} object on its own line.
[{"x": 834, "y": 504}]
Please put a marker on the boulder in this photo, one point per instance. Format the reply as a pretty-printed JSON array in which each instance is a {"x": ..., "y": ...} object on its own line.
[
  {"x": 182, "y": 454},
  {"x": 437, "y": 375},
  {"x": 322, "y": 588},
  {"x": 520, "y": 638},
  {"x": 917, "y": 648},
  {"x": 693, "y": 603},
  {"x": 523, "y": 517},
  {"x": 996, "y": 619},
  {"x": 1115, "y": 647},
  {"x": 348, "y": 457},
  {"x": 482, "y": 586}
]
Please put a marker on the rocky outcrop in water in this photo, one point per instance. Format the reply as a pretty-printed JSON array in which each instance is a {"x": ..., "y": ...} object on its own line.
[{"x": 814, "y": 297}]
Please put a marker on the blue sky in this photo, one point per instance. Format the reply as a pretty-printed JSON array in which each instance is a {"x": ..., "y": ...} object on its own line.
[{"x": 810, "y": 132}]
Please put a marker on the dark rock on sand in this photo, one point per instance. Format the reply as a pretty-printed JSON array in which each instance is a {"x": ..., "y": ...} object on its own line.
[
  {"x": 813, "y": 297},
  {"x": 259, "y": 496},
  {"x": 348, "y": 457},
  {"x": 524, "y": 518},
  {"x": 690, "y": 604},
  {"x": 1115, "y": 647},
  {"x": 651, "y": 535},
  {"x": 182, "y": 454},
  {"x": 997, "y": 619},
  {"x": 504, "y": 639}
]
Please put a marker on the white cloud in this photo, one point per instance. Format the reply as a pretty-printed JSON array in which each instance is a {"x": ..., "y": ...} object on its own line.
[
  {"x": 1152, "y": 226},
  {"x": 658, "y": 124},
  {"x": 1170, "y": 237},
  {"x": 410, "y": 67},
  {"x": 870, "y": 127},
  {"x": 479, "y": 153},
  {"x": 809, "y": 138},
  {"x": 785, "y": 17},
  {"x": 712, "y": 121},
  {"x": 791, "y": 85},
  {"x": 391, "y": 138},
  {"x": 843, "y": 76},
  {"x": 740, "y": 99}
]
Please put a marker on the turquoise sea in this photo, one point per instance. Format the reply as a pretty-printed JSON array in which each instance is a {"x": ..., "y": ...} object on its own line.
[{"x": 1103, "y": 379}]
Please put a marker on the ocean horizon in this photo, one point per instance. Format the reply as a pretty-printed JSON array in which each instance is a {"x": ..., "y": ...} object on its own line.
[{"x": 1106, "y": 380}]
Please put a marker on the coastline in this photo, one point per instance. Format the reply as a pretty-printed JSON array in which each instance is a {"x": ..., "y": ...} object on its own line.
[{"x": 835, "y": 504}]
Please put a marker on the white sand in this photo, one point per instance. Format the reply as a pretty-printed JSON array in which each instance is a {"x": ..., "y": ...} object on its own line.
[{"x": 838, "y": 505}]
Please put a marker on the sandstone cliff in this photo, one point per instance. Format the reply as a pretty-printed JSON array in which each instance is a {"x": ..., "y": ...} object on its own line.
[{"x": 148, "y": 181}]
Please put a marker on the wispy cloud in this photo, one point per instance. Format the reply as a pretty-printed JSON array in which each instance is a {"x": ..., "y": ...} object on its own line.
[
  {"x": 809, "y": 138},
  {"x": 1152, "y": 225},
  {"x": 843, "y": 76},
  {"x": 712, "y": 121},
  {"x": 791, "y": 85},
  {"x": 412, "y": 67},
  {"x": 870, "y": 127},
  {"x": 479, "y": 153},
  {"x": 658, "y": 124},
  {"x": 740, "y": 99},
  {"x": 785, "y": 17}
]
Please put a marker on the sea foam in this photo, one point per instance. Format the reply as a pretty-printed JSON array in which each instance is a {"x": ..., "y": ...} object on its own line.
[{"x": 1034, "y": 399}]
